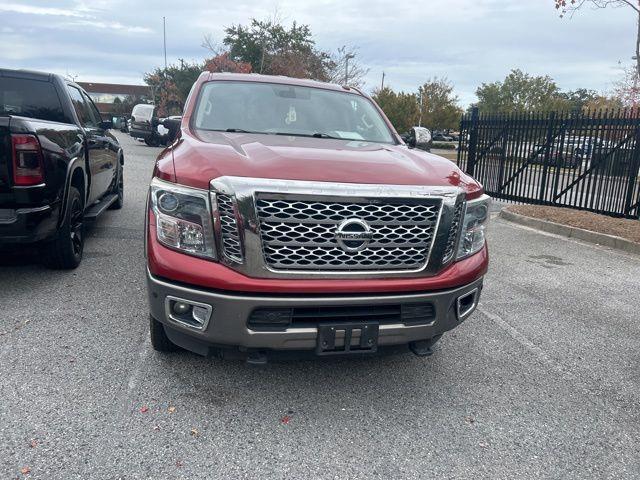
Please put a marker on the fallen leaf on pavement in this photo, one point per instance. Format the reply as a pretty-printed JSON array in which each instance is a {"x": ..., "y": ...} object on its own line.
[{"x": 285, "y": 420}]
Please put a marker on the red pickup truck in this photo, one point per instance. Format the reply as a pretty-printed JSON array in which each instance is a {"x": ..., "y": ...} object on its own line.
[{"x": 289, "y": 215}]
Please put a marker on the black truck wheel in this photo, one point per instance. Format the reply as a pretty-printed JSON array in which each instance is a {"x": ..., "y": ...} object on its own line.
[
  {"x": 118, "y": 188},
  {"x": 159, "y": 340},
  {"x": 152, "y": 141},
  {"x": 65, "y": 250}
]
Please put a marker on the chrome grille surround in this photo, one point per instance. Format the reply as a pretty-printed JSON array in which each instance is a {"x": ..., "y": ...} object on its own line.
[
  {"x": 299, "y": 234},
  {"x": 422, "y": 259}
]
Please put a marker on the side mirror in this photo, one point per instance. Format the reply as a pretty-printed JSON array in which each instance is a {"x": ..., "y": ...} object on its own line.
[
  {"x": 106, "y": 124},
  {"x": 420, "y": 138},
  {"x": 173, "y": 125}
]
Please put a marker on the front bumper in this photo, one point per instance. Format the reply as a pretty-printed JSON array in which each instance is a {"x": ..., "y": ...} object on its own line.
[{"x": 228, "y": 326}]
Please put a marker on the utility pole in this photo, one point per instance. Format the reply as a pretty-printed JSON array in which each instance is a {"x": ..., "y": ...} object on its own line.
[
  {"x": 382, "y": 84},
  {"x": 346, "y": 67},
  {"x": 164, "y": 36}
]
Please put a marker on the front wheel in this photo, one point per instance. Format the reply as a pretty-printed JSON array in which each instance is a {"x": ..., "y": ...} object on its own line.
[
  {"x": 152, "y": 141},
  {"x": 65, "y": 250},
  {"x": 118, "y": 188}
]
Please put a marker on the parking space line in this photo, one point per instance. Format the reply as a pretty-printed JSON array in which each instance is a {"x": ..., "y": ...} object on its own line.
[{"x": 522, "y": 340}]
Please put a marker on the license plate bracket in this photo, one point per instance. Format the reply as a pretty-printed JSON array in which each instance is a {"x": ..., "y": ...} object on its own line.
[{"x": 347, "y": 338}]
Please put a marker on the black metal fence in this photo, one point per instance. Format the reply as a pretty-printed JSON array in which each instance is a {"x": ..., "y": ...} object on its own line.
[{"x": 586, "y": 161}]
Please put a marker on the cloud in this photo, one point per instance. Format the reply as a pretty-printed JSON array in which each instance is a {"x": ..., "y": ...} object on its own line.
[
  {"x": 467, "y": 41},
  {"x": 36, "y": 10}
]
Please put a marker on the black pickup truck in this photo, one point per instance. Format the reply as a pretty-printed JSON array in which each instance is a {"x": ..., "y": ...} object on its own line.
[{"x": 59, "y": 165}]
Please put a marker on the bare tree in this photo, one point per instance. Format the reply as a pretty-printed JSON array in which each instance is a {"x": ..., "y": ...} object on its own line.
[
  {"x": 346, "y": 68},
  {"x": 571, "y": 6}
]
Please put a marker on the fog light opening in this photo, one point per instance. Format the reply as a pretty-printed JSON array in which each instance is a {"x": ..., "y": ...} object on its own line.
[
  {"x": 188, "y": 313},
  {"x": 466, "y": 304}
]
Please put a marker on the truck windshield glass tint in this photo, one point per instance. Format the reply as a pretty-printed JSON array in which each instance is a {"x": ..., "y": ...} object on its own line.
[
  {"x": 30, "y": 98},
  {"x": 286, "y": 109}
]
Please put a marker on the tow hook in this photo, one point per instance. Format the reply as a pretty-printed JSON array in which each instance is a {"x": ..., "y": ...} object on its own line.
[
  {"x": 256, "y": 357},
  {"x": 422, "y": 348}
]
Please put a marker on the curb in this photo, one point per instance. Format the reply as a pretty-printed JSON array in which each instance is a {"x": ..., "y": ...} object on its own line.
[{"x": 573, "y": 232}]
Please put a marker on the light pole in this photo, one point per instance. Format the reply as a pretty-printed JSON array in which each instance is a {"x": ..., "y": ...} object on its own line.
[
  {"x": 347, "y": 57},
  {"x": 164, "y": 39}
]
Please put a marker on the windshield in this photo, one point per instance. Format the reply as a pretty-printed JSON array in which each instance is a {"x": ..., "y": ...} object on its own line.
[{"x": 289, "y": 110}]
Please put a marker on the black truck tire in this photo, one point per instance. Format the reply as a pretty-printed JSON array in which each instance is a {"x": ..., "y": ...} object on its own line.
[
  {"x": 152, "y": 141},
  {"x": 159, "y": 340},
  {"x": 64, "y": 252},
  {"x": 118, "y": 188}
]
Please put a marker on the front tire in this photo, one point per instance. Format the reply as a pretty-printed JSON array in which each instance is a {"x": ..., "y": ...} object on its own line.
[
  {"x": 152, "y": 141},
  {"x": 64, "y": 252},
  {"x": 159, "y": 340},
  {"x": 118, "y": 188}
]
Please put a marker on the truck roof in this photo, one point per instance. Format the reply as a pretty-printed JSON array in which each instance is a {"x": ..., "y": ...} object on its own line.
[
  {"x": 281, "y": 79},
  {"x": 30, "y": 74}
]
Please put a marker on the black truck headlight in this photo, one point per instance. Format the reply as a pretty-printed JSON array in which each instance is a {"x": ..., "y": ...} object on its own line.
[
  {"x": 474, "y": 224},
  {"x": 183, "y": 218}
]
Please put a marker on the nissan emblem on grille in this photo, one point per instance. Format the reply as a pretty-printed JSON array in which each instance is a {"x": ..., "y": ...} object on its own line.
[{"x": 353, "y": 235}]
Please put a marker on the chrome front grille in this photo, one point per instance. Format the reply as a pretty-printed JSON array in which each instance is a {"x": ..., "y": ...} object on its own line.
[
  {"x": 230, "y": 237},
  {"x": 300, "y": 234}
]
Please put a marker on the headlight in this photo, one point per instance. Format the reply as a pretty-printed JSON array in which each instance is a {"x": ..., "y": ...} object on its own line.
[
  {"x": 474, "y": 224},
  {"x": 183, "y": 218}
]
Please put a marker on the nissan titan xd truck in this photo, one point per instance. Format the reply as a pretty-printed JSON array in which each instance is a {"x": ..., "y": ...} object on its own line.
[{"x": 288, "y": 215}]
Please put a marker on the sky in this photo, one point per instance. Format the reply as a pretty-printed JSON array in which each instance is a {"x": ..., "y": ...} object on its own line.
[{"x": 467, "y": 41}]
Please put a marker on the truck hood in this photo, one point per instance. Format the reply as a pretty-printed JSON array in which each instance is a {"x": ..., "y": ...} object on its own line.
[{"x": 199, "y": 159}]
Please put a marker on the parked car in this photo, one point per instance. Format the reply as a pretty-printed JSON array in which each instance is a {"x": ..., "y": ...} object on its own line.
[
  {"x": 561, "y": 154},
  {"x": 144, "y": 124},
  {"x": 289, "y": 215},
  {"x": 147, "y": 126},
  {"x": 59, "y": 165},
  {"x": 442, "y": 137}
]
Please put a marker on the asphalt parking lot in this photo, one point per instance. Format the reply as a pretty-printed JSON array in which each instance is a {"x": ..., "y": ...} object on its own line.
[{"x": 543, "y": 381}]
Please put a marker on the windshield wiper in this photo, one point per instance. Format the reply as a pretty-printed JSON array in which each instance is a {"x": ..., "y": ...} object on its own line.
[
  {"x": 238, "y": 130},
  {"x": 324, "y": 135},
  {"x": 314, "y": 135}
]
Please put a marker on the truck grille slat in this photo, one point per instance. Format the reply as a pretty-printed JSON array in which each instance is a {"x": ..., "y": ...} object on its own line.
[
  {"x": 229, "y": 228},
  {"x": 451, "y": 245},
  {"x": 300, "y": 234}
]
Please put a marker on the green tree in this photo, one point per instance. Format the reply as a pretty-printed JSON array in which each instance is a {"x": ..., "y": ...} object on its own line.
[
  {"x": 400, "y": 108},
  {"x": 579, "y": 99},
  {"x": 274, "y": 49},
  {"x": 521, "y": 92},
  {"x": 440, "y": 108}
]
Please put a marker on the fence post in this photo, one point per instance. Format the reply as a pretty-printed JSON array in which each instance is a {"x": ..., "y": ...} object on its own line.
[
  {"x": 473, "y": 142},
  {"x": 634, "y": 171},
  {"x": 547, "y": 155}
]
